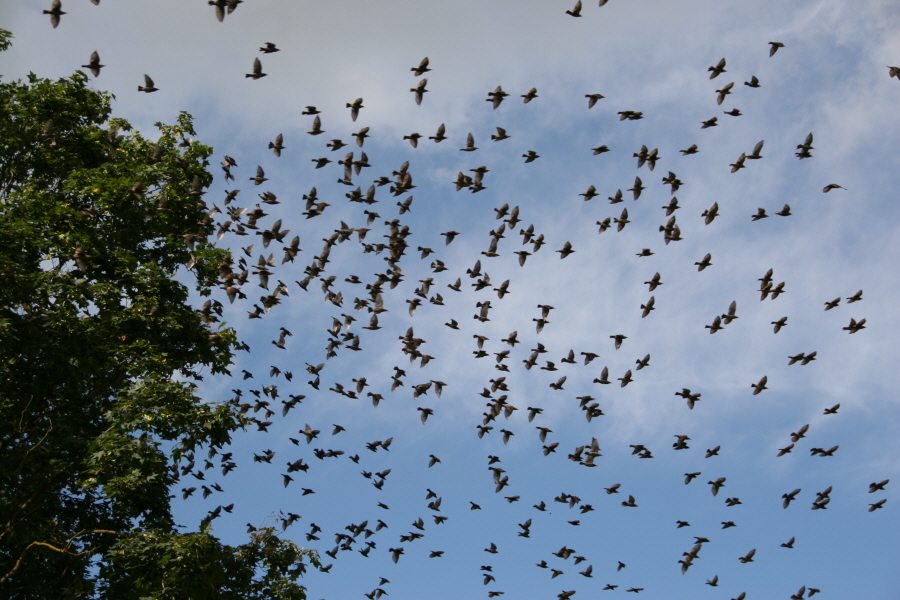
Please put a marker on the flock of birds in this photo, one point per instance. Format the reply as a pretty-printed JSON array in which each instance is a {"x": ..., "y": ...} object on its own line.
[{"x": 240, "y": 274}]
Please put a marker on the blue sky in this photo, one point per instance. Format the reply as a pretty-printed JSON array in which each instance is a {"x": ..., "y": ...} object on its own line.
[{"x": 830, "y": 79}]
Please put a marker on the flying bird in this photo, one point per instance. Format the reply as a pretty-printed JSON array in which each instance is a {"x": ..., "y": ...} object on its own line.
[
  {"x": 419, "y": 90},
  {"x": 277, "y": 146},
  {"x": 592, "y": 98},
  {"x": 576, "y": 10},
  {"x": 758, "y": 387},
  {"x": 705, "y": 262},
  {"x": 257, "y": 70},
  {"x": 56, "y": 11},
  {"x": 717, "y": 69},
  {"x": 148, "y": 85},
  {"x": 422, "y": 68},
  {"x": 94, "y": 64},
  {"x": 354, "y": 107}
]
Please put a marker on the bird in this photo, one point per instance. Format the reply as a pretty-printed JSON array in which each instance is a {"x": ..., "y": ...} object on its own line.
[
  {"x": 316, "y": 126},
  {"x": 832, "y": 186},
  {"x": 754, "y": 82},
  {"x": 618, "y": 339},
  {"x": 638, "y": 188},
  {"x": 530, "y": 156},
  {"x": 670, "y": 208},
  {"x": 496, "y": 97},
  {"x": 260, "y": 176},
  {"x": 56, "y": 11},
  {"x": 788, "y": 498},
  {"x": 622, "y": 220},
  {"x": 731, "y": 314},
  {"x": 779, "y": 324},
  {"x": 855, "y": 326},
  {"x": 354, "y": 107},
  {"x": 592, "y": 100},
  {"x": 419, "y": 90},
  {"x": 758, "y": 387},
  {"x": 148, "y": 86},
  {"x": 277, "y": 146},
  {"x": 531, "y": 95},
  {"x": 716, "y": 325},
  {"x": 439, "y": 135},
  {"x": 470, "y": 144},
  {"x": 706, "y": 262},
  {"x": 717, "y": 69},
  {"x": 800, "y": 433},
  {"x": 748, "y": 557},
  {"x": 500, "y": 135},
  {"x": 788, "y": 544},
  {"x": 894, "y": 72},
  {"x": 875, "y": 506},
  {"x": 755, "y": 155},
  {"x": 426, "y": 412},
  {"x": 805, "y": 147},
  {"x": 774, "y": 47},
  {"x": 422, "y": 68},
  {"x": 717, "y": 484},
  {"x": 576, "y": 10},
  {"x": 360, "y": 136},
  {"x": 257, "y": 70},
  {"x": 877, "y": 487},
  {"x": 94, "y": 64},
  {"x": 724, "y": 91}
]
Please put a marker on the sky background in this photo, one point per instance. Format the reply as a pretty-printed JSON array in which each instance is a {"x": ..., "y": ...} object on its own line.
[{"x": 644, "y": 55}]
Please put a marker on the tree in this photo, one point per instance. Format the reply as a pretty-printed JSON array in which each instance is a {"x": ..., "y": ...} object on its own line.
[{"x": 98, "y": 349}]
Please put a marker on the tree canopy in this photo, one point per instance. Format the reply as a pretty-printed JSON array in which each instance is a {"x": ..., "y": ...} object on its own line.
[{"x": 99, "y": 348}]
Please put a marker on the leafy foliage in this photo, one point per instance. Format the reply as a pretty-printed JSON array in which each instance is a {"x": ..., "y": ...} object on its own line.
[{"x": 98, "y": 347}]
